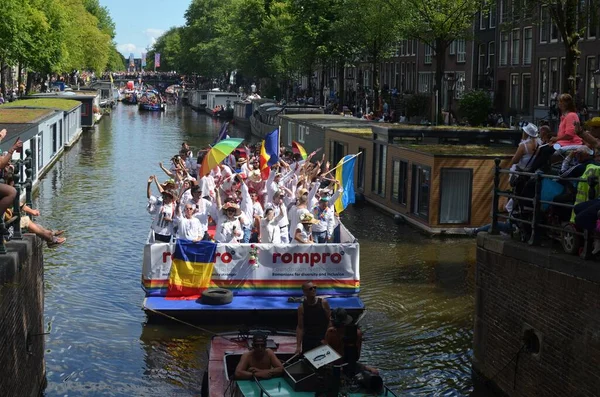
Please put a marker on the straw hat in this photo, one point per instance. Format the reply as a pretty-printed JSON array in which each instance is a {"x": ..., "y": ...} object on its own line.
[
  {"x": 308, "y": 218},
  {"x": 254, "y": 176},
  {"x": 229, "y": 205}
]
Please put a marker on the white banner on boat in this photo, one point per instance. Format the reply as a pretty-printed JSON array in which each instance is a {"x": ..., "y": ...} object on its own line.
[{"x": 266, "y": 266}]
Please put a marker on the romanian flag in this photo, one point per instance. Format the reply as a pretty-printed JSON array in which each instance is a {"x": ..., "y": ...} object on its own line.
[
  {"x": 271, "y": 144},
  {"x": 191, "y": 269},
  {"x": 263, "y": 160},
  {"x": 297, "y": 148},
  {"x": 345, "y": 174}
]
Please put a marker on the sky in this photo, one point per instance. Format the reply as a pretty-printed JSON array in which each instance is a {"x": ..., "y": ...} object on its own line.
[{"x": 140, "y": 23}]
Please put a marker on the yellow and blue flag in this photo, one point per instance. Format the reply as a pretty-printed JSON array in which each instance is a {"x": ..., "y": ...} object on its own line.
[
  {"x": 191, "y": 268},
  {"x": 345, "y": 174}
]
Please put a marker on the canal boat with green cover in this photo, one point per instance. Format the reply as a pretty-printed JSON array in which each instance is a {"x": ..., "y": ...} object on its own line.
[{"x": 309, "y": 375}]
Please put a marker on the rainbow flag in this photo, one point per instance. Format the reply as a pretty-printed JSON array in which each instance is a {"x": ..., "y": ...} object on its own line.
[
  {"x": 191, "y": 269},
  {"x": 297, "y": 148},
  {"x": 263, "y": 160},
  {"x": 345, "y": 174}
]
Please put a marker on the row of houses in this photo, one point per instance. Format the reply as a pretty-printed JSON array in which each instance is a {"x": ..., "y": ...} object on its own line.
[{"x": 518, "y": 58}]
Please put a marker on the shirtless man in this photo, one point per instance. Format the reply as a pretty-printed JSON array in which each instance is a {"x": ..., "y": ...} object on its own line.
[{"x": 259, "y": 362}]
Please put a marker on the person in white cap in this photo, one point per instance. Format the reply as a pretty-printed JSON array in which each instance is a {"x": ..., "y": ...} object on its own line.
[{"x": 527, "y": 147}]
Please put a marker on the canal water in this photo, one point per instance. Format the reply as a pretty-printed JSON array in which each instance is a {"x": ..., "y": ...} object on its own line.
[{"x": 418, "y": 291}]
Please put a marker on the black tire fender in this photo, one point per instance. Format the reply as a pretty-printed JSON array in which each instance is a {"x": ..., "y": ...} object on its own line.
[{"x": 216, "y": 296}]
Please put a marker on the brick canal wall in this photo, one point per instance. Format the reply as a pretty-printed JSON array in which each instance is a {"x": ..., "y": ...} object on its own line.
[
  {"x": 544, "y": 304},
  {"x": 22, "y": 369}
]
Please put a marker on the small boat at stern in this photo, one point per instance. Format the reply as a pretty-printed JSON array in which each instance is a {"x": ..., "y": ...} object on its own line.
[{"x": 317, "y": 372}]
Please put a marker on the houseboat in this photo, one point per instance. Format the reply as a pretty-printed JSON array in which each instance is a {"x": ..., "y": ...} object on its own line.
[
  {"x": 90, "y": 104},
  {"x": 109, "y": 94},
  {"x": 266, "y": 117},
  {"x": 45, "y": 131},
  {"x": 303, "y": 376},
  {"x": 220, "y": 104},
  {"x": 260, "y": 283},
  {"x": 197, "y": 99}
]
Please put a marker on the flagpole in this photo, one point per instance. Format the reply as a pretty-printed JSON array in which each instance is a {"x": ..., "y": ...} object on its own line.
[{"x": 339, "y": 165}]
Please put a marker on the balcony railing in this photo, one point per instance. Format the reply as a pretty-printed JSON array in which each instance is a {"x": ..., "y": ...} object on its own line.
[{"x": 534, "y": 221}]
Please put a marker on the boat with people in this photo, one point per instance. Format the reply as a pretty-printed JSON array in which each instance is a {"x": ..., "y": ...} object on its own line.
[
  {"x": 318, "y": 372},
  {"x": 151, "y": 100},
  {"x": 220, "y": 104},
  {"x": 238, "y": 277}
]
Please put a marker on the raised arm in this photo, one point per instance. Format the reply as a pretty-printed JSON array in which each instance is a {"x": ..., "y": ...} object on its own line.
[{"x": 166, "y": 171}]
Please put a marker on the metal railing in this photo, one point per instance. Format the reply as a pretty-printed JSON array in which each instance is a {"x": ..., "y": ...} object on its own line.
[
  {"x": 20, "y": 166},
  {"x": 536, "y": 206}
]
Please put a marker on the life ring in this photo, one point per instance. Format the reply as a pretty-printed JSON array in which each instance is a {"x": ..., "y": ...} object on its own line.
[{"x": 216, "y": 296}]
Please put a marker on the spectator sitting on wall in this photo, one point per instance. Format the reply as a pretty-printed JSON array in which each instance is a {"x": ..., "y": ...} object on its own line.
[
  {"x": 52, "y": 237},
  {"x": 7, "y": 193}
]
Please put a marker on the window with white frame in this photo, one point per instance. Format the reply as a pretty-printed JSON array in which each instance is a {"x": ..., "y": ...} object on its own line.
[
  {"x": 461, "y": 51},
  {"x": 516, "y": 47},
  {"x": 482, "y": 18},
  {"x": 590, "y": 86},
  {"x": 425, "y": 82},
  {"x": 527, "y": 45},
  {"x": 492, "y": 17},
  {"x": 553, "y": 32},
  {"x": 452, "y": 49},
  {"x": 302, "y": 131},
  {"x": 542, "y": 81},
  {"x": 482, "y": 58},
  {"x": 501, "y": 10},
  {"x": 427, "y": 54},
  {"x": 290, "y": 132},
  {"x": 455, "y": 195},
  {"x": 492, "y": 54},
  {"x": 401, "y": 47},
  {"x": 526, "y": 93},
  {"x": 503, "y": 49},
  {"x": 592, "y": 22},
  {"x": 544, "y": 24}
]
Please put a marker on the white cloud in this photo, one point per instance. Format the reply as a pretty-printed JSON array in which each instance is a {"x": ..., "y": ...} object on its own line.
[
  {"x": 153, "y": 34},
  {"x": 127, "y": 49}
]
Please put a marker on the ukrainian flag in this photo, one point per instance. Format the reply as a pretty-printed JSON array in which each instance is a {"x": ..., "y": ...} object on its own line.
[
  {"x": 191, "y": 268},
  {"x": 345, "y": 174}
]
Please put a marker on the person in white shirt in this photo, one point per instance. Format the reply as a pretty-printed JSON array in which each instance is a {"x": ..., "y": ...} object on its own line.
[
  {"x": 163, "y": 211},
  {"x": 203, "y": 209},
  {"x": 323, "y": 230},
  {"x": 303, "y": 231},
  {"x": 270, "y": 232},
  {"x": 278, "y": 205},
  {"x": 188, "y": 226},
  {"x": 229, "y": 228},
  {"x": 296, "y": 210}
]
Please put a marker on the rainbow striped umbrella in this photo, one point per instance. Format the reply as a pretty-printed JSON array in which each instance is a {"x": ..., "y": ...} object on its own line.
[{"x": 218, "y": 153}]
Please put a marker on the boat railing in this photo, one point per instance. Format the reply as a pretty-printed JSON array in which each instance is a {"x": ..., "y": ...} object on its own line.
[
  {"x": 533, "y": 217},
  {"x": 21, "y": 167},
  {"x": 263, "y": 392}
]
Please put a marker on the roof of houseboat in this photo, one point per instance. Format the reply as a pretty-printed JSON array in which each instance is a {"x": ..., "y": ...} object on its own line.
[
  {"x": 326, "y": 120},
  {"x": 23, "y": 115},
  {"x": 53, "y": 103},
  {"x": 462, "y": 150}
]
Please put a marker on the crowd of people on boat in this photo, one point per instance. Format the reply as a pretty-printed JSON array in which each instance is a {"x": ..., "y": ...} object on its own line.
[
  {"x": 293, "y": 204},
  {"x": 572, "y": 152}
]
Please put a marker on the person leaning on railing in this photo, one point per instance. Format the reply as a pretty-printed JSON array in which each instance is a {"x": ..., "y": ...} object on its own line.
[{"x": 7, "y": 193}]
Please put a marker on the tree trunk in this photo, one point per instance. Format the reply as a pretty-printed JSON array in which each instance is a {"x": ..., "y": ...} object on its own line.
[
  {"x": 375, "y": 71},
  {"x": 310, "y": 83},
  {"x": 3, "y": 79},
  {"x": 29, "y": 82},
  {"x": 20, "y": 80},
  {"x": 570, "y": 73},
  {"x": 440, "y": 65},
  {"x": 322, "y": 87},
  {"x": 341, "y": 86}
]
